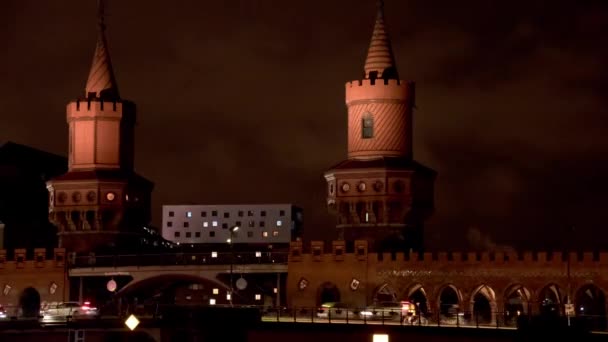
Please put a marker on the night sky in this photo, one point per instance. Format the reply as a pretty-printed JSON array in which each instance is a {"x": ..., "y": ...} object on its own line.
[{"x": 243, "y": 102}]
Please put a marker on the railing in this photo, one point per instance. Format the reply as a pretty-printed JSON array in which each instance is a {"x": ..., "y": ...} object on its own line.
[
  {"x": 209, "y": 258},
  {"x": 307, "y": 315},
  {"x": 485, "y": 320}
]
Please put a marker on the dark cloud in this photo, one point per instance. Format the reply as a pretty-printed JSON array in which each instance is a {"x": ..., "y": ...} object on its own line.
[{"x": 243, "y": 101}]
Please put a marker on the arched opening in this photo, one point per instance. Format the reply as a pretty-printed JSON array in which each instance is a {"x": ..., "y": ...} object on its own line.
[
  {"x": 417, "y": 295},
  {"x": 384, "y": 293},
  {"x": 328, "y": 293},
  {"x": 549, "y": 300},
  {"x": 30, "y": 302},
  {"x": 591, "y": 306},
  {"x": 517, "y": 303},
  {"x": 449, "y": 302},
  {"x": 171, "y": 289},
  {"x": 483, "y": 305}
]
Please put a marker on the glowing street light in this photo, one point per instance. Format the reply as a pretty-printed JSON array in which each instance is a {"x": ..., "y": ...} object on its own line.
[
  {"x": 132, "y": 322},
  {"x": 380, "y": 338}
]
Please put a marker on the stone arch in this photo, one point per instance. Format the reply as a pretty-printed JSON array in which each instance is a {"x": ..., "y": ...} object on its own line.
[
  {"x": 549, "y": 300},
  {"x": 29, "y": 301},
  {"x": 417, "y": 294},
  {"x": 590, "y": 302},
  {"x": 448, "y": 299},
  {"x": 483, "y": 304},
  {"x": 516, "y": 302},
  {"x": 327, "y": 292},
  {"x": 384, "y": 293},
  {"x": 165, "y": 288}
]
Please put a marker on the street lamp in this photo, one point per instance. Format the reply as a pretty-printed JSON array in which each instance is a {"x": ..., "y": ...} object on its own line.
[{"x": 230, "y": 241}]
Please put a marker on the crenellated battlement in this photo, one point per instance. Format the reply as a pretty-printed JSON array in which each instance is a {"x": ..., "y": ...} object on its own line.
[
  {"x": 318, "y": 251},
  {"x": 20, "y": 261},
  {"x": 98, "y": 107},
  {"x": 380, "y": 89}
]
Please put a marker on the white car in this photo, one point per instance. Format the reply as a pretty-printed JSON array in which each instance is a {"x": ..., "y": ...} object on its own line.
[{"x": 68, "y": 310}]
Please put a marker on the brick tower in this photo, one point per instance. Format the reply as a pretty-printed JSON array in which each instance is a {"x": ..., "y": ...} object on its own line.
[
  {"x": 100, "y": 204},
  {"x": 380, "y": 193}
]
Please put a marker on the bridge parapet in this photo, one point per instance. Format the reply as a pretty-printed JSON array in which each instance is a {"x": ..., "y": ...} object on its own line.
[
  {"x": 20, "y": 261},
  {"x": 339, "y": 252}
]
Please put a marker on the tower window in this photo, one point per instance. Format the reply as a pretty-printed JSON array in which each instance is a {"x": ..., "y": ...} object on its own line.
[{"x": 367, "y": 127}]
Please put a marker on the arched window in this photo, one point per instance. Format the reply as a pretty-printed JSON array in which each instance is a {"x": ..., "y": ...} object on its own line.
[{"x": 367, "y": 127}]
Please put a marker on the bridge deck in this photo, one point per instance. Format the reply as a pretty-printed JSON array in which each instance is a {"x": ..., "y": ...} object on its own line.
[{"x": 129, "y": 270}]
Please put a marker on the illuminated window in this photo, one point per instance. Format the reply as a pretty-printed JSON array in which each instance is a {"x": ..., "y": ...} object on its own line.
[
  {"x": 212, "y": 301},
  {"x": 275, "y": 233},
  {"x": 265, "y": 234},
  {"x": 214, "y": 254},
  {"x": 214, "y": 223},
  {"x": 216, "y": 291},
  {"x": 258, "y": 296},
  {"x": 367, "y": 127},
  {"x": 205, "y": 224},
  {"x": 366, "y": 217},
  {"x": 189, "y": 214},
  {"x": 279, "y": 223}
]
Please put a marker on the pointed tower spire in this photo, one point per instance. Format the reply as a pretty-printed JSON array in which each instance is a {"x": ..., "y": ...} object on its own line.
[
  {"x": 101, "y": 82},
  {"x": 380, "y": 62}
]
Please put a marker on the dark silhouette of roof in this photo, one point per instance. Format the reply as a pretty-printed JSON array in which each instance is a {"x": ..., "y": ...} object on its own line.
[{"x": 32, "y": 159}]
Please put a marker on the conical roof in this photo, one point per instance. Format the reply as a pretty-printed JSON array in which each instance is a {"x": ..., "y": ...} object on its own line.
[
  {"x": 101, "y": 82},
  {"x": 380, "y": 62}
]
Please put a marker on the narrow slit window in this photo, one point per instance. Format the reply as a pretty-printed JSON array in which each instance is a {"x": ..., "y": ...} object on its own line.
[{"x": 367, "y": 127}]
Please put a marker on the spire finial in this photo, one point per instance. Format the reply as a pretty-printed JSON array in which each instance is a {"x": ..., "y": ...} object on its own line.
[
  {"x": 101, "y": 15},
  {"x": 101, "y": 82},
  {"x": 380, "y": 62},
  {"x": 380, "y": 5}
]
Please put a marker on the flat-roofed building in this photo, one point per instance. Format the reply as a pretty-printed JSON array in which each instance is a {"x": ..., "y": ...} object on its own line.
[{"x": 258, "y": 223}]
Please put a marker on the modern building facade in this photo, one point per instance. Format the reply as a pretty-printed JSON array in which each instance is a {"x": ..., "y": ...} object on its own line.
[
  {"x": 379, "y": 193},
  {"x": 258, "y": 223},
  {"x": 100, "y": 204}
]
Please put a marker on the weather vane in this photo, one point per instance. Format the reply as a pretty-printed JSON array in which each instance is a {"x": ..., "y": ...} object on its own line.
[
  {"x": 380, "y": 5},
  {"x": 101, "y": 13}
]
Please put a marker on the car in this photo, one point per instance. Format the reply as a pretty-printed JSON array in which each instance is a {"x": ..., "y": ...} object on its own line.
[
  {"x": 3, "y": 314},
  {"x": 62, "y": 312},
  {"x": 335, "y": 310},
  {"x": 403, "y": 311}
]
